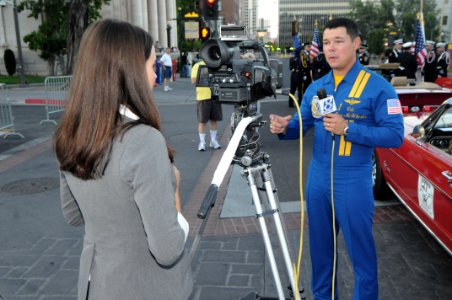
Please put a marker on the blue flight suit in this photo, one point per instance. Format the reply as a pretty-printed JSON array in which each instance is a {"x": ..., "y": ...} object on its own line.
[{"x": 364, "y": 99}]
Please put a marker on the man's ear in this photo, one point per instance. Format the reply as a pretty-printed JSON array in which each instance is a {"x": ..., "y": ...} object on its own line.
[{"x": 357, "y": 42}]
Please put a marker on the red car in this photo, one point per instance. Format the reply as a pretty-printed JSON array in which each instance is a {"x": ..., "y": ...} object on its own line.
[{"x": 420, "y": 172}]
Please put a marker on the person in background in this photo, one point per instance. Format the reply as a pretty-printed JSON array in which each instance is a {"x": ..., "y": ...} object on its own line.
[
  {"x": 443, "y": 59},
  {"x": 306, "y": 69},
  {"x": 183, "y": 61},
  {"x": 394, "y": 57},
  {"x": 208, "y": 108},
  {"x": 321, "y": 66},
  {"x": 116, "y": 172},
  {"x": 188, "y": 65},
  {"x": 430, "y": 71},
  {"x": 368, "y": 115},
  {"x": 363, "y": 55},
  {"x": 167, "y": 65},
  {"x": 301, "y": 72},
  {"x": 408, "y": 62},
  {"x": 295, "y": 78}
]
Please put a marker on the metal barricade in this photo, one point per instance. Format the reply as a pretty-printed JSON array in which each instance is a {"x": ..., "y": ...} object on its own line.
[
  {"x": 6, "y": 115},
  {"x": 56, "y": 88}
]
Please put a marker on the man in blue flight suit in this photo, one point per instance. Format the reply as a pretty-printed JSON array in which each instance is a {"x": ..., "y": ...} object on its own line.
[{"x": 368, "y": 115}]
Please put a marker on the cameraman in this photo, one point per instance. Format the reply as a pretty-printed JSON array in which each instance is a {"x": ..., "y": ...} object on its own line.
[
  {"x": 208, "y": 109},
  {"x": 368, "y": 116}
]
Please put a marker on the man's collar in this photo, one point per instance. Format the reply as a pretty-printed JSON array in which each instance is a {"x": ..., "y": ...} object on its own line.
[{"x": 350, "y": 76}]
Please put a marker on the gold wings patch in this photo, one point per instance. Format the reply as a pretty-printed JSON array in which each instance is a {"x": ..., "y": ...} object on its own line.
[{"x": 352, "y": 102}]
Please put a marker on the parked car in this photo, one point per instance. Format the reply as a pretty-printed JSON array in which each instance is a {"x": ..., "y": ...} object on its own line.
[{"x": 419, "y": 173}]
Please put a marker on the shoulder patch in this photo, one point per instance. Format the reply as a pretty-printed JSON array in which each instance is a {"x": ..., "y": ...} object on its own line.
[{"x": 394, "y": 106}]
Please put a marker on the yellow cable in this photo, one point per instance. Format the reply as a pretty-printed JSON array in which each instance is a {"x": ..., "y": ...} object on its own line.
[
  {"x": 300, "y": 254},
  {"x": 334, "y": 219}
]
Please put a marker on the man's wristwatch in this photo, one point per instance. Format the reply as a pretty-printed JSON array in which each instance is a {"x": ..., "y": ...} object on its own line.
[{"x": 346, "y": 130}]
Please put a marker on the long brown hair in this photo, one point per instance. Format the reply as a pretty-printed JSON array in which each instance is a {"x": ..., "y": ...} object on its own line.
[{"x": 110, "y": 71}]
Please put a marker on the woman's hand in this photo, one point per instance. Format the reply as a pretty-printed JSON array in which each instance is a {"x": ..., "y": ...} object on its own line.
[{"x": 177, "y": 195}]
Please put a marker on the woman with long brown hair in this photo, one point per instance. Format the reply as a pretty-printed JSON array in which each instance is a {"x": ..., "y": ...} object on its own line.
[{"x": 116, "y": 172}]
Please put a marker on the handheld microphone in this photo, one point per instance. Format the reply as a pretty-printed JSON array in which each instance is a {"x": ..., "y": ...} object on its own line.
[{"x": 324, "y": 104}]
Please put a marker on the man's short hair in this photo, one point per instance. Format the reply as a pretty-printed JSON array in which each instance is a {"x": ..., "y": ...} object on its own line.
[{"x": 350, "y": 26}]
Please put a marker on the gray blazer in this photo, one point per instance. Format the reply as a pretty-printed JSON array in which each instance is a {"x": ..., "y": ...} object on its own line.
[{"x": 133, "y": 245}]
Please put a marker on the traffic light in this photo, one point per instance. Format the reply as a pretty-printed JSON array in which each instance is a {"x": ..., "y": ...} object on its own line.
[
  {"x": 209, "y": 9},
  {"x": 204, "y": 33}
]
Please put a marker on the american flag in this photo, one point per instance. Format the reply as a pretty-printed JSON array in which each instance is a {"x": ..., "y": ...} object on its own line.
[
  {"x": 420, "y": 51},
  {"x": 315, "y": 44},
  {"x": 394, "y": 107}
]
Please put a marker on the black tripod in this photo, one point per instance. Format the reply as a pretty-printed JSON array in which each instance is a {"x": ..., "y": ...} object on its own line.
[{"x": 244, "y": 150}]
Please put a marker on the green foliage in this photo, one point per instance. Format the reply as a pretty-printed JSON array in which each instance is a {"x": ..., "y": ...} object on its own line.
[
  {"x": 10, "y": 62},
  {"x": 374, "y": 40},
  {"x": 50, "y": 38},
  {"x": 386, "y": 20},
  {"x": 407, "y": 14},
  {"x": 374, "y": 22}
]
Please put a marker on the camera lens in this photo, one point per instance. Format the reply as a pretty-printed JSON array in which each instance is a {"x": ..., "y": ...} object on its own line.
[{"x": 214, "y": 53}]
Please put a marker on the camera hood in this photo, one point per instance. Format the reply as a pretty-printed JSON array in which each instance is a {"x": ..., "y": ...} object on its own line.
[{"x": 215, "y": 53}]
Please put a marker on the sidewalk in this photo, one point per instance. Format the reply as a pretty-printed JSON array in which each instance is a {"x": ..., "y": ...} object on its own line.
[{"x": 39, "y": 252}]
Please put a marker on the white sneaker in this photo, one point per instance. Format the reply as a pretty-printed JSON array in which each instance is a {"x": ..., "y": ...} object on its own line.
[
  {"x": 202, "y": 146},
  {"x": 170, "y": 89},
  {"x": 214, "y": 144},
  {"x": 165, "y": 89}
]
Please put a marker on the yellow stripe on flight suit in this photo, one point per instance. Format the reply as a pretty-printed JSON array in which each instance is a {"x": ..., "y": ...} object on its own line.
[{"x": 345, "y": 147}]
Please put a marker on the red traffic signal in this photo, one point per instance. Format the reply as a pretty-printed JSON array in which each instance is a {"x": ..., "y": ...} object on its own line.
[
  {"x": 204, "y": 33},
  {"x": 209, "y": 9}
]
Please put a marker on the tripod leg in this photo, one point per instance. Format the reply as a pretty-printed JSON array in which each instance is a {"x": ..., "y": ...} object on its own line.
[
  {"x": 265, "y": 235},
  {"x": 267, "y": 180}
]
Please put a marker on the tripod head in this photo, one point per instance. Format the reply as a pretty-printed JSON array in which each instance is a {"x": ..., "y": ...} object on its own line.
[{"x": 248, "y": 149}]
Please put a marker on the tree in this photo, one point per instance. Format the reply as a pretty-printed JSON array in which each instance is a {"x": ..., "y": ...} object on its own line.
[
  {"x": 62, "y": 24},
  {"x": 407, "y": 14},
  {"x": 388, "y": 18},
  {"x": 373, "y": 20},
  {"x": 50, "y": 38},
  {"x": 81, "y": 14}
]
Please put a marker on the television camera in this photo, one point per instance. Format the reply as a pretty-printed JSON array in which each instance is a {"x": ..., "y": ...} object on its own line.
[{"x": 239, "y": 70}]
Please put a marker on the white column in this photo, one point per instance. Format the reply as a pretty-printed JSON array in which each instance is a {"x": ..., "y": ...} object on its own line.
[
  {"x": 144, "y": 15},
  {"x": 162, "y": 23},
  {"x": 172, "y": 21},
  {"x": 153, "y": 20},
  {"x": 137, "y": 9}
]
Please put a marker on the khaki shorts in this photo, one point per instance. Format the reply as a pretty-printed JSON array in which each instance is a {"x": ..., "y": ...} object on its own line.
[{"x": 209, "y": 110}]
